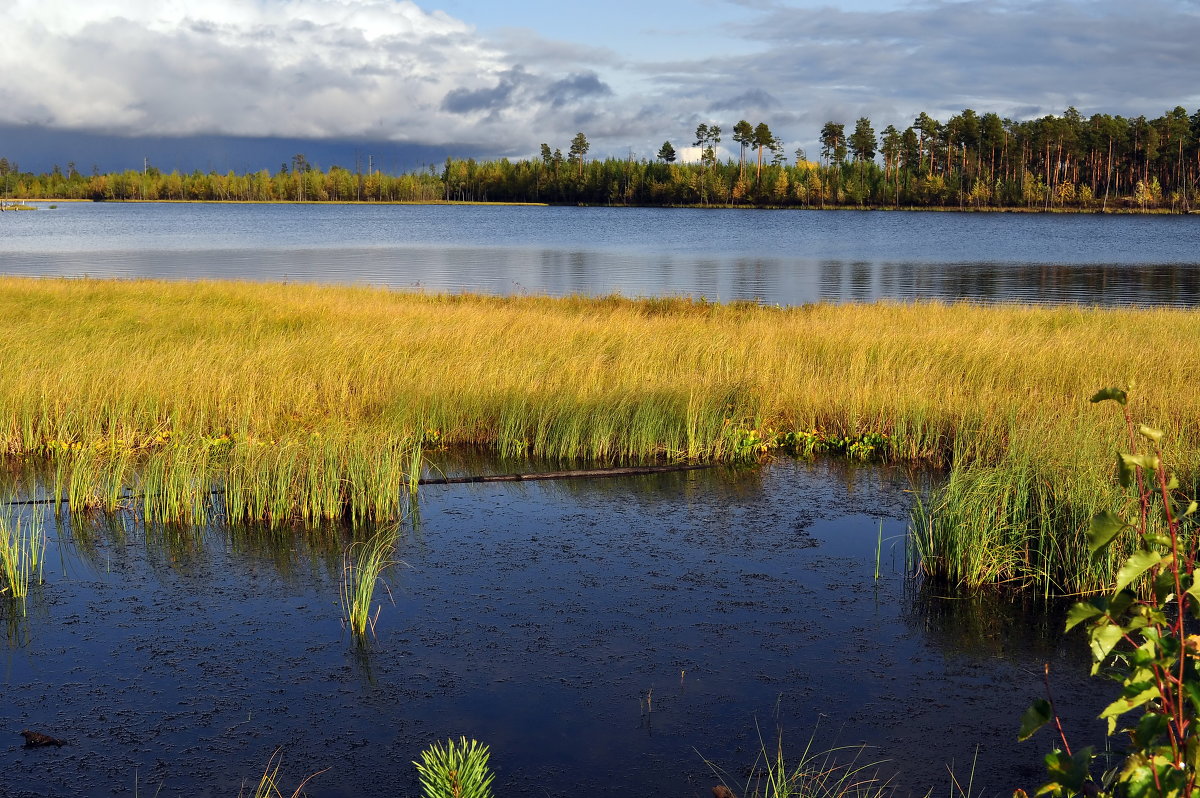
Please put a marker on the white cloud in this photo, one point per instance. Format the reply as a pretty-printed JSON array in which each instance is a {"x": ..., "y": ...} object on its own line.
[{"x": 315, "y": 68}]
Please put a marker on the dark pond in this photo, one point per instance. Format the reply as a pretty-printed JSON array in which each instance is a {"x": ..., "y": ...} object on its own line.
[
  {"x": 778, "y": 257},
  {"x": 541, "y": 618}
]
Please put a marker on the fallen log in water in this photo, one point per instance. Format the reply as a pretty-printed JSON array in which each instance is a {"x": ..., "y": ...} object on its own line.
[{"x": 579, "y": 474}]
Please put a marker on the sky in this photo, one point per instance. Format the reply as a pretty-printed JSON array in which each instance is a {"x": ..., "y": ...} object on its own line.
[{"x": 246, "y": 84}]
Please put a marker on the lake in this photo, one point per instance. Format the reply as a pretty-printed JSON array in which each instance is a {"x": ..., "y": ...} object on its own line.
[
  {"x": 778, "y": 257},
  {"x": 603, "y": 636}
]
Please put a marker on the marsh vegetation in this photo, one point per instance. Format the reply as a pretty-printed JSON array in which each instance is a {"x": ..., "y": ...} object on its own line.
[{"x": 310, "y": 402}]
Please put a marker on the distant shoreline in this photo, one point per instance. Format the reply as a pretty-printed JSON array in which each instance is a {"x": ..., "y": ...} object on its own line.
[
  {"x": 274, "y": 202},
  {"x": 708, "y": 206}
]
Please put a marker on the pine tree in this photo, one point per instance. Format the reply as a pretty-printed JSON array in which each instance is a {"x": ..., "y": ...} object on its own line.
[{"x": 579, "y": 148}]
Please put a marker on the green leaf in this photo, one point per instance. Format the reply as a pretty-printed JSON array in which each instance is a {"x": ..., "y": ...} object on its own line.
[
  {"x": 1037, "y": 716},
  {"x": 1149, "y": 727},
  {"x": 1151, "y": 433},
  {"x": 1194, "y": 590},
  {"x": 1149, "y": 462},
  {"x": 1124, "y": 472},
  {"x": 1068, "y": 774},
  {"x": 1103, "y": 639},
  {"x": 1115, "y": 394},
  {"x": 1192, "y": 690},
  {"x": 1081, "y": 612},
  {"x": 1126, "y": 704},
  {"x": 1121, "y": 602},
  {"x": 1138, "y": 563},
  {"x": 1164, "y": 586},
  {"x": 1104, "y": 529},
  {"x": 1135, "y": 624},
  {"x": 1191, "y": 508},
  {"x": 1137, "y": 775}
]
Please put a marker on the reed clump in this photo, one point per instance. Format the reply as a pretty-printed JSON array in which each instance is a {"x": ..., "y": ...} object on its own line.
[
  {"x": 833, "y": 773},
  {"x": 185, "y": 478},
  {"x": 340, "y": 384},
  {"x": 363, "y": 566},
  {"x": 22, "y": 556}
]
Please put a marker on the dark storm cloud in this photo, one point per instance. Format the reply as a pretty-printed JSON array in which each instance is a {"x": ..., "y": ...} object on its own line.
[
  {"x": 574, "y": 88},
  {"x": 37, "y": 148},
  {"x": 494, "y": 98}
]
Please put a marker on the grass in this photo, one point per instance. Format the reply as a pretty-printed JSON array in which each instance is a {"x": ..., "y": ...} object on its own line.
[
  {"x": 22, "y": 556},
  {"x": 362, "y": 572},
  {"x": 832, "y": 773},
  {"x": 268, "y": 783},
  {"x": 304, "y": 401}
]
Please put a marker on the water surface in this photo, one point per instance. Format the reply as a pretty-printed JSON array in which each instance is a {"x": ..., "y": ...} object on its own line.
[
  {"x": 778, "y": 257},
  {"x": 603, "y": 636}
]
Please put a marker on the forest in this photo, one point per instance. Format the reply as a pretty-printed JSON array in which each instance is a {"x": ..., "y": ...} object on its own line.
[{"x": 1063, "y": 162}]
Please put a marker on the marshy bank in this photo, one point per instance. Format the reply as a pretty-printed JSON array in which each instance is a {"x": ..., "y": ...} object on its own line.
[{"x": 314, "y": 402}]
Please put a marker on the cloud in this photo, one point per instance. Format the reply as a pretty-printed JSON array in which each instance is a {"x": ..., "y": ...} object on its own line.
[
  {"x": 752, "y": 100},
  {"x": 999, "y": 55},
  {"x": 320, "y": 69},
  {"x": 495, "y": 98},
  {"x": 574, "y": 88},
  {"x": 1018, "y": 58},
  {"x": 390, "y": 70},
  {"x": 532, "y": 49}
]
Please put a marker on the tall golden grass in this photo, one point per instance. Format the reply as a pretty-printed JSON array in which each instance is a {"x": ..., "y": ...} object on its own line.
[{"x": 334, "y": 385}]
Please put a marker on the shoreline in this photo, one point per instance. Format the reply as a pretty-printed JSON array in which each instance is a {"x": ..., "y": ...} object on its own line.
[{"x": 708, "y": 206}]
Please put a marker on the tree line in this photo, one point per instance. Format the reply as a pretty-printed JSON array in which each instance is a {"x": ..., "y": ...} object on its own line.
[
  {"x": 301, "y": 182},
  {"x": 970, "y": 160}
]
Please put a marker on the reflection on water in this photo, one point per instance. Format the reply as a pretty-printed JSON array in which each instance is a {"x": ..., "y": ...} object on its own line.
[
  {"x": 993, "y": 624},
  {"x": 536, "y": 617},
  {"x": 785, "y": 258},
  {"x": 791, "y": 281},
  {"x": 1092, "y": 284},
  {"x": 94, "y": 542}
]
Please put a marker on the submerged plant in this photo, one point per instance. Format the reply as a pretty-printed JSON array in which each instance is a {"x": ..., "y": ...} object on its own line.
[
  {"x": 1142, "y": 634},
  {"x": 362, "y": 571},
  {"x": 22, "y": 555},
  {"x": 455, "y": 770}
]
